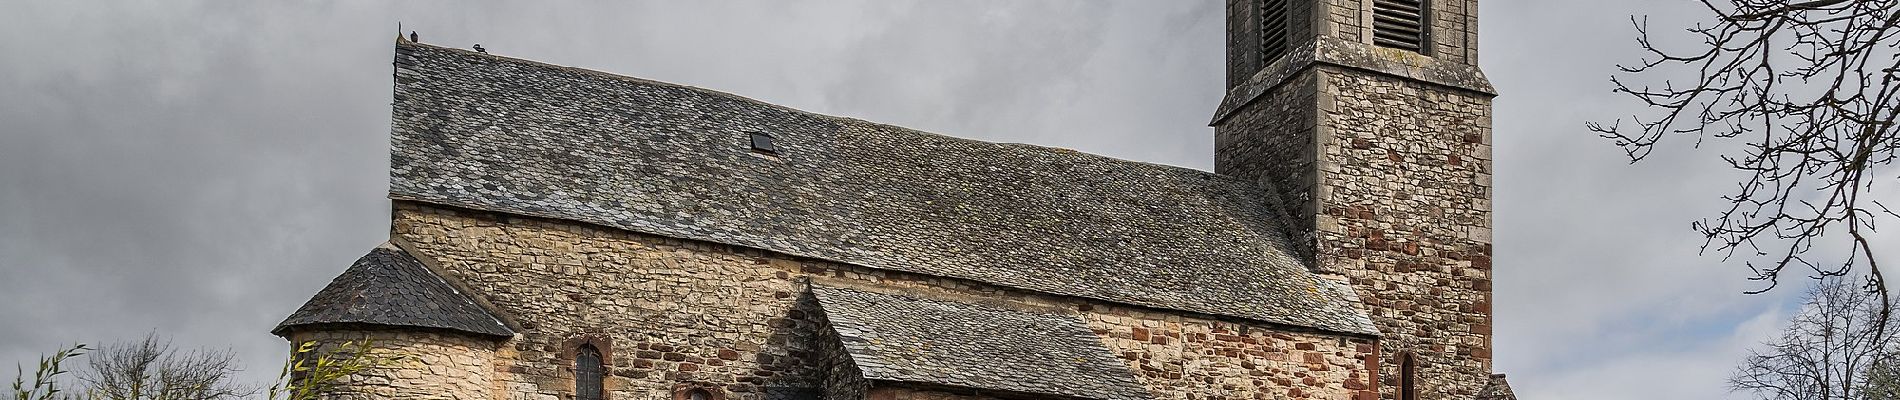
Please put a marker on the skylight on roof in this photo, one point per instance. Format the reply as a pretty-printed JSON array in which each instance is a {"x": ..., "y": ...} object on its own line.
[{"x": 763, "y": 143}]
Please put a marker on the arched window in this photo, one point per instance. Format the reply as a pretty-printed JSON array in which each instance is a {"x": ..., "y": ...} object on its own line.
[
  {"x": 1408, "y": 377},
  {"x": 690, "y": 391},
  {"x": 588, "y": 373}
]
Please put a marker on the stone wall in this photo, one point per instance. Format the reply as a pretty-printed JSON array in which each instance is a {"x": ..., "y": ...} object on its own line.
[
  {"x": 842, "y": 378},
  {"x": 670, "y": 312},
  {"x": 1245, "y": 55},
  {"x": 1405, "y": 198},
  {"x": 1204, "y": 359},
  {"x": 1382, "y": 157},
  {"x": 434, "y": 365},
  {"x": 1454, "y": 31},
  {"x": 1391, "y": 189},
  {"x": 1349, "y": 20},
  {"x": 1454, "y": 34},
  {"x": 1243, "y": 40},
  {"x": 676, "y": 312},
  {"x": 1453, "y": 37},
  {"x": 1271, "y": 141},
  {"x": 906, "y": 393}
]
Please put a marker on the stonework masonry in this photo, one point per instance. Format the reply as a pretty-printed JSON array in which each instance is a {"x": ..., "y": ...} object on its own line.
[
  {"x": 1382, "y": 158},
  {"x": 1404, "y": 201},
  {"x": 434, "y": 365},
  {"x": 685, "y": 312},
  {"x": 1272, "y": 144}
]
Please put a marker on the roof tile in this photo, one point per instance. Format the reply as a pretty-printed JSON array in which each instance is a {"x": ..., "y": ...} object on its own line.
[
  {"x": 390, "y": 287},
  {"x": 904, "y": 338},
  {"x": 499, "y": 134}
]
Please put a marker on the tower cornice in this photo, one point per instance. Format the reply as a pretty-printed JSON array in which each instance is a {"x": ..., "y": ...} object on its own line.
[{"x": 1334, "y": 52}]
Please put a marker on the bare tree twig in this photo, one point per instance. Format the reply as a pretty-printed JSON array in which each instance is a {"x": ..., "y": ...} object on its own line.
[
  {"x": 1806, "y": 92},
  {"x": 1838, "y": 347}
]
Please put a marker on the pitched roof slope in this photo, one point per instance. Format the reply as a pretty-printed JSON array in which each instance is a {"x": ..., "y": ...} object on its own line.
[
  {"x": 500, "y": 134},
  {"x": 910, "y": 339},
  {"x": 390, "y": 287}
]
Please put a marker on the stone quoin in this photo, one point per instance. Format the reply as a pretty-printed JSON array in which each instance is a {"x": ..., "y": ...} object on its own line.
[{"x": 560, "y": 233}]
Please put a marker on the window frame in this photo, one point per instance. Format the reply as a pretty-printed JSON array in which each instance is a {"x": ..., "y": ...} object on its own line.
[
  {"x": 763, "y": 143},
  {"x": 1408, "y": 376},
  {"x": 583, "y": 380}
]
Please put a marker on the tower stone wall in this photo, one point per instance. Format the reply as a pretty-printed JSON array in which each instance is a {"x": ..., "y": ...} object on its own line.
[{"x": 1383, "y": 159}]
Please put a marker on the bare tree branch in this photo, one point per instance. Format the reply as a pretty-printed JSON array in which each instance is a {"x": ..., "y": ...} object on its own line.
[
  {"x": 151, "y": 369},
  {"x": 1806, "y": 92}
]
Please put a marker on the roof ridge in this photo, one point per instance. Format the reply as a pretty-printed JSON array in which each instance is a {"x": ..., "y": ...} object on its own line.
[
  {"x": 1033, "y": 146},
  {"x": 615, "y": 76},
  {"x": 848, "y": 120}
]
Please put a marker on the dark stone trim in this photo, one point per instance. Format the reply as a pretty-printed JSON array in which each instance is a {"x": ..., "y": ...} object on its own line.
[{"x": 600, "y": 341}]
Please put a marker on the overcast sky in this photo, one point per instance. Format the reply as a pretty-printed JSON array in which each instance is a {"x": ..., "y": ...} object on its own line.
[{"x": 199, "y": 169}]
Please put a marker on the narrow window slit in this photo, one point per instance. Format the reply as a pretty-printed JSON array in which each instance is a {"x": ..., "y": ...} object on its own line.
[{"x": 1408, "y": 376}]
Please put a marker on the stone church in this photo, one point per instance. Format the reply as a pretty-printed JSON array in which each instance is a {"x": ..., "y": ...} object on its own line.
[{"x": 560, "y": 233}]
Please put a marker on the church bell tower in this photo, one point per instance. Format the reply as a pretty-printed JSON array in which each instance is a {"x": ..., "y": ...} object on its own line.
[{"x": 1372, "y": 122}]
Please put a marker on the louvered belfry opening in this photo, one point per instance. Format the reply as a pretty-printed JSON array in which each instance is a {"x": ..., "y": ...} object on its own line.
[
  {"x": 1273, "y": 30},
  {"x": 1399, "y": 24}
]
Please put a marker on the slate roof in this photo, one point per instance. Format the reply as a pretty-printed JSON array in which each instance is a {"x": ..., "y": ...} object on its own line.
[
  {"x": 392, "y": 288},
  {"x": 499, "y": 134},
  {"x": 903, "y": 338}
]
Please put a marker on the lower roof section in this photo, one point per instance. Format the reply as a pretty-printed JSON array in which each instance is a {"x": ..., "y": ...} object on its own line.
[
  {"x": 390, "y": 287},
  {"x": 904, "y": 338}
]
